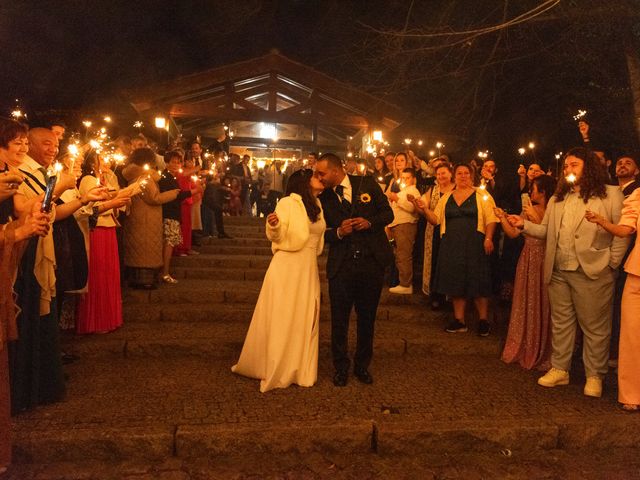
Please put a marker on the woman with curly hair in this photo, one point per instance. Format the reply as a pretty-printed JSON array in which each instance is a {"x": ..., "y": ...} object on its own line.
[{"x": 579, "y": 267}]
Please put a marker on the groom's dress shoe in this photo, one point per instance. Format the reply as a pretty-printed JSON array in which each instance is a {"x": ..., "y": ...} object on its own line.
[
  {"x": 364, "y": 376},
  {"x": 340, "y": 379}
]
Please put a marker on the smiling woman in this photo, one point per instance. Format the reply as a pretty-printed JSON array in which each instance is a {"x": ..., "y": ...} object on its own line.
[{"x": 14, "y": 144}]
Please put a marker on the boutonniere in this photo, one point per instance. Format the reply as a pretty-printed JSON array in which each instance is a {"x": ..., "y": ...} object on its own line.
[{"x": 365, "y": 198}]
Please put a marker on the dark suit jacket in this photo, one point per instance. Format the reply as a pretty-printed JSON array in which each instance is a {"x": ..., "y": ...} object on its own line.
[{"x": 368, "y": 202}]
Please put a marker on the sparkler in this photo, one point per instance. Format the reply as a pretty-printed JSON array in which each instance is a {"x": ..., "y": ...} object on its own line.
[
  {"x": 571, "y": 178},
  {"x": 522, "y": 150},
  {"x": 578, "y": 116}
]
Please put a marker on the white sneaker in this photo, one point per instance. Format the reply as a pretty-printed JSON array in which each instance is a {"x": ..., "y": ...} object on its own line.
[
  {"x": 402, "y": 290},
  {"x": 593, "y": 387},
  {"x": 553, "y": 378}
]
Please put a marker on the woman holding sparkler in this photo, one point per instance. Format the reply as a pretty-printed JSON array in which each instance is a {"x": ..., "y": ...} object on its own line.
[
  {"x": 100, "y": 310},
  {"x": 281, "y": 346}
]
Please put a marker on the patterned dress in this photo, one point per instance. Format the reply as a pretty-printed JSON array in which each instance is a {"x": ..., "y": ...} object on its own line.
[{"x": 529, "y": 338}]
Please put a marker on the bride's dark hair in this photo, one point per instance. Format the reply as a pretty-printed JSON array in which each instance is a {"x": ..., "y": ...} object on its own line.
[{"x": 300, "y": 182}]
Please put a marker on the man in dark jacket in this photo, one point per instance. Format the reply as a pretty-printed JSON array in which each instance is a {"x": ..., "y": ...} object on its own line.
[{"x": 356, "y": 212}]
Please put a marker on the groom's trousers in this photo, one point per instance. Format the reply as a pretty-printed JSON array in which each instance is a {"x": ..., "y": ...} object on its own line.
[{"x": 358, "y": 283}]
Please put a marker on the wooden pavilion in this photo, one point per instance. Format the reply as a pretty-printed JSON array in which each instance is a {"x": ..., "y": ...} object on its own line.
[{"x": 268, "y": 103}]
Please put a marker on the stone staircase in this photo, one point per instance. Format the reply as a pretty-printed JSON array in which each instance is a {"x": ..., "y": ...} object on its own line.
[{"x": 161, "y": 386}]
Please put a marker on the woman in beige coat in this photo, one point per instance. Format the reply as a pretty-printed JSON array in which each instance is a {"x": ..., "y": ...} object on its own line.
[{"x": 143, "y": 229}]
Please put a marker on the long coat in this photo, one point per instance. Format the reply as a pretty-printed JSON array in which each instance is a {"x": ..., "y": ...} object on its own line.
[{"x": 143, "y": 228}]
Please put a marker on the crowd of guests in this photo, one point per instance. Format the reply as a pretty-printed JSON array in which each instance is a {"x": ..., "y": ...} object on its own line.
[
  {"x": 63, "y": 262},
  {"x": 556, "y": 247},
  {"x": 464, "y": 225}
]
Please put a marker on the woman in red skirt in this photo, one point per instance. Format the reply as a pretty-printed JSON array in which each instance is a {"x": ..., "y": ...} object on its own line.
[{"x": 100, "y": 309}]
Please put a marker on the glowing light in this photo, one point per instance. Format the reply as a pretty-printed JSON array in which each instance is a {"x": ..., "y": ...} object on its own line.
[
  {"x": 362, "y": 167},
  {"x": 439, "y": 145},
  {"x": 73, "y": 149},
  {"x": 269, "y": 130},
  {"x": 138, "y": 124},
  {"x": 194, "y": 178},
  {"x": 57, "y": 167},
  {"x": 180, "y": 170},
  {"x": 350, "y": 154},
  {"x": 94, "y": 144},
  {"x": 380, "y": 179},
  {"x": 579, "y": 115},
  {"x": 482, "y": 187},
  {"x": 17, "y": 113},
  {"x": 522, "y": 150},
  {"x": 420, "y": 142},
  {"x": 107, "y": 119},
  {"x": 261, "y": 164},
  {"x": 377, "y": 136},
  {"x": 558, "y": 155},
  {"x": 226, "y": 128},
  {"x": 532, "y": 145},
  {"x": 145, "y": 167},
  {"x": 431, "y": 153},
  {"x": 571, "y": 178},
  {"x": 485, "y": 197},
  {"x": 87, "y": 123},
  {"x": 160, "y": 122},
  {"x": 407, "y": 141}
]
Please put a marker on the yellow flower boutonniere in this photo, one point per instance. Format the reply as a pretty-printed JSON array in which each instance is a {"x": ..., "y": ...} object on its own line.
[{"x": 365, "y": 198}]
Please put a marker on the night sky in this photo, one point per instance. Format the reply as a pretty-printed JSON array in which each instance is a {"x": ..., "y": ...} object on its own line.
[{"x": 495, "y": 91}]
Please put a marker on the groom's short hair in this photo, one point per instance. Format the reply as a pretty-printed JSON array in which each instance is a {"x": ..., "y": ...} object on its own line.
[{"x": 332, "y": 159}]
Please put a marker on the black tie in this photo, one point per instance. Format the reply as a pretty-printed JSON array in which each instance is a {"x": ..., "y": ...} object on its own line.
[{"x": 346, "y": 205}]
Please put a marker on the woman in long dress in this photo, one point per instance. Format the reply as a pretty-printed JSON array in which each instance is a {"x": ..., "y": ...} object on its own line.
[
  {"x": 281, "y": 346},
  {"x": 529, "y": 337},
  {"x": 444, "y": 184}
]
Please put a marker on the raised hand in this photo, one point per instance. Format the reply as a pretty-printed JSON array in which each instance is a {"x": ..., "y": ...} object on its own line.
[
  {"x": 346, "y": 228},
  {"x": 515, "y": 221},
  {"x": 273, "y": 219},
  {"x": 594, "y": 217},
  {"x": 35, "y": 223},
  {"x": 360, "y": 224}
]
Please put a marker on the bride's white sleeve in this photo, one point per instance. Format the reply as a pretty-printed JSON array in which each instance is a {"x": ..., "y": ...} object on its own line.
[{"x": 278, "y": 233}]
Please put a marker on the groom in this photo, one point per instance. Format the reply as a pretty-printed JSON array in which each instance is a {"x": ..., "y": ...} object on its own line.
[{"x": 356, "y": 212}]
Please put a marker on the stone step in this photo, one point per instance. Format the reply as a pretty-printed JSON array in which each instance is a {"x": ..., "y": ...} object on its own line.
[
  {"x": 225, "y": 339},
  {"x": 244, "y": 220},
  {"x": 229, "y": 249},
  {"x": 194, "y": 407},
  {"x": 241, "y": 290},
  {"x": 213, "y": 261},
  {"x": 236, "y": 242}
]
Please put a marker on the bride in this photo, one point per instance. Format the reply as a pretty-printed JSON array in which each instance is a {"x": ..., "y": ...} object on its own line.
[{"x": 281, "y": 346}]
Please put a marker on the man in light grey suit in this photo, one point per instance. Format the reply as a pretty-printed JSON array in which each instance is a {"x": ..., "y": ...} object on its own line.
[{"x": 579, "y": 268}]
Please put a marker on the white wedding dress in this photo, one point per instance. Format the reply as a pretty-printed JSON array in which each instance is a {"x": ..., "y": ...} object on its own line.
[{"x": 281, "y": 346}]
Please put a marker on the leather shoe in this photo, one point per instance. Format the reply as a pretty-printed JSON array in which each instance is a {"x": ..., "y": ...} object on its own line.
[
  {"x": 364, "y": 376},
  {"x": 340, "y": 379}
]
